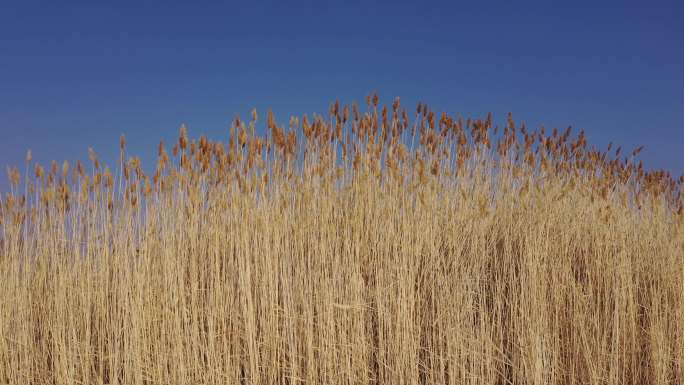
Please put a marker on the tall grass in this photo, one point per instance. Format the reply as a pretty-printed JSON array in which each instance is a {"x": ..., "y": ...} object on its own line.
[{"x": 362, "y": 247}]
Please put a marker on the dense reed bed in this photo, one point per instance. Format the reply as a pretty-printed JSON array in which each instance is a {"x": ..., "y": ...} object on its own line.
[{"x": 360, "y": 247}]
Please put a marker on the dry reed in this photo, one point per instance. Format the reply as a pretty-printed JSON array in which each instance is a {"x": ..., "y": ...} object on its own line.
[{"x": 357, "y": 248}]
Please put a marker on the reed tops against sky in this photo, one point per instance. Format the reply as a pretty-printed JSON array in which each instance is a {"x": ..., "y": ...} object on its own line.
[{"x": 80, "y": 74}]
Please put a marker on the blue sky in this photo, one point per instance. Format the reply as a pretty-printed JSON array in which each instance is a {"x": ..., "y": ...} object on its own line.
[{"x": 79, "y": 74}]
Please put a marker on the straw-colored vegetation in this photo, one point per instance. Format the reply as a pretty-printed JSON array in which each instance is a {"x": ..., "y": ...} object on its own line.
[{"x": 362, "y": 247}]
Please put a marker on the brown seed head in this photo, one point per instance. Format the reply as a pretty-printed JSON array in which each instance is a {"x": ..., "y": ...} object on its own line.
[
  {"x": 39, "y": 171},
  {"x": 637, "y": 150},
  {"x": 14, "y": 176},
  {"x": 109, "y": 180},
  {"x": 183, "y": 138},
  {"x": 65, "y": 168},
  {"x": 79, "y": 168}
]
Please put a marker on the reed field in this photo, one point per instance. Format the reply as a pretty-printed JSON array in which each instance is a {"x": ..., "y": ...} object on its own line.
[{"x": 368, "y": 245}]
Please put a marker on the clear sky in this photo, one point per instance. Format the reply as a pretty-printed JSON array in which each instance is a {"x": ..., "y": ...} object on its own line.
[{"x": 79, "y": 74}]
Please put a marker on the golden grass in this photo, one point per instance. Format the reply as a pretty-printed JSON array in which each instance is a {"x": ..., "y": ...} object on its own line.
[{"x": 357, "y": 248}]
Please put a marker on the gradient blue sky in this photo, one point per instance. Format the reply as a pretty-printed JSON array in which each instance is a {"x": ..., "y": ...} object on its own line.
[{"x": 78, "y": 74}]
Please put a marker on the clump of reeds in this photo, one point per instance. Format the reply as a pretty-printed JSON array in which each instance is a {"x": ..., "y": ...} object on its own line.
[{"x": 363, "y": 247}]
